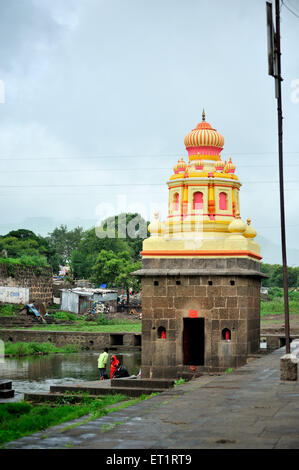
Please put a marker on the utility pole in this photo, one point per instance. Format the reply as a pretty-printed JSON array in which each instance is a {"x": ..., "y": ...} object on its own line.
[{"x": 274, "y": 69}]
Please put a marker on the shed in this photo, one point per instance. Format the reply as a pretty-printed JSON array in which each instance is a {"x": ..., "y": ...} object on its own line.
[{"x": 80, "y": 299}]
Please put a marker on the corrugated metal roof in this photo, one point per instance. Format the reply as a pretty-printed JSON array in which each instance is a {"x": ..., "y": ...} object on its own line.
[{"x": 89, "y": 291}]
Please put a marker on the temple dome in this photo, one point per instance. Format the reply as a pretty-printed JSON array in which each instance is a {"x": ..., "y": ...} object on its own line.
[
  {"x": 204, "y": 139},
  {"x": 250, "y": 232},
  {"x": 219, "y": 165},
  {"x": 180, "y": 166},
  {"x": 156, "y": 227},
  {"x": 230, "y": 167},
  {"x": 237, "y": 225}
]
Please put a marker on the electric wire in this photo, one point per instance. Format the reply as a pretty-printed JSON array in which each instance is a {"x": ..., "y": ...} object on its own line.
[{"x": 288, "y": 8}]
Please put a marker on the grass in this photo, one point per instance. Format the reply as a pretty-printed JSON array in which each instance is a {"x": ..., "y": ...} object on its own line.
[
  {"x": 22, "y": 419},
  {"x": 26, "y": 349},
  {"x": 101, "y": 324},
  {"x": 276, "y": 307},
  {"x": 179, "y": 381},
  {"x": 7, "y": 310},
  {"x": 82, "y": 325}
]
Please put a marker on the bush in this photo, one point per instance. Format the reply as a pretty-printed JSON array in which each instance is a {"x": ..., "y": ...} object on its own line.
[
  {"x": 103, "y": 320},
  {"x": 27, "y": 349},
  {"x": 275, "y": 292},
  {"x": 294, "y": 295},
  {"x": 10, "y": 309},
  {"x": 67, "y": 316}
]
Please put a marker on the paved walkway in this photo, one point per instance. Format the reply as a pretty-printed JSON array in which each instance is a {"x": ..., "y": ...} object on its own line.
[{"x": 249, "y": 408}]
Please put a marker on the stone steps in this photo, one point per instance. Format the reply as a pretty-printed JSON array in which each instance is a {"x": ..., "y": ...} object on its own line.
[
  {"x": 5, "y": 384},
  {"x": 7, "y": 393},
  {"x": 105, "y": 390},
  {"x": 143, "y": 383},
  {"x": 6, "y": 390}
]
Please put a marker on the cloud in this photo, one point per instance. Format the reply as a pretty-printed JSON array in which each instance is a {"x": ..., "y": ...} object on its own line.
[{"x": 130, "y": 78}]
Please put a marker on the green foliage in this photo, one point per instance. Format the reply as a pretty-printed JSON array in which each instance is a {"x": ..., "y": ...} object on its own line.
[
  {"x": 179, "y": 381},
  {"x": 21, "y": 419},
  {"x": 275, "y": 302},
  {"x": 115, "y": 269},
  {"x": 64, "y": 242},
  {"x": 26, "y": 349},
  {"x": 228, "y": 371},
  {"x": 31, "y": 248},
  {"x": 103, "y": 320},
  {"x": 275, "y": 292},
  {"x": 275, "y": 273},
  {"x": 7, "y": 310},
  {"x": 114, "y": 326},
  {"x": 294, "y": 295},
  {"x": 67, "y": 316},
  {"x": 276, "y": 307},
  {"x": 124, "y": 244}
]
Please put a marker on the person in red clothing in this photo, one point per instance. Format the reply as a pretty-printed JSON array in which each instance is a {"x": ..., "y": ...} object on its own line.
[{"x": 114, "y": 365}]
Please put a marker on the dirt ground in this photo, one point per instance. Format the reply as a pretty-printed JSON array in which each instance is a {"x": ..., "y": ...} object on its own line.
[
  {"x": 275, "y": 324},
  {"x": 123, "y": 316}
]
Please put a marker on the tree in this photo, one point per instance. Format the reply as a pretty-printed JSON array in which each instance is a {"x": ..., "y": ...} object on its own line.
[
  {"x": 115, "y": 270},
  {"x": 277, "y": 277},
  {"x": 65, "y": 241},
  {"x": 130, "y": 227}
]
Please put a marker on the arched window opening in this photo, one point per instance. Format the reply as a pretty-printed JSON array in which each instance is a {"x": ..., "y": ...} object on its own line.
[
  {"x": 176, "y": 200},
  {"x": 161, "y": 332},
  {"x": 197, "y": 200},
  {"x": 226, "y": 334},
  {"x": 223, "y": 201}
]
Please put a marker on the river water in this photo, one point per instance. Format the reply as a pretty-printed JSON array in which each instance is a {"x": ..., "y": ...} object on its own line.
[{"x": 37, "y": 373}]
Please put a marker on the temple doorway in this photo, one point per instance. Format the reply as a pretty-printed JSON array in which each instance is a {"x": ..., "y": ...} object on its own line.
[{"x": 194, "y": 341}]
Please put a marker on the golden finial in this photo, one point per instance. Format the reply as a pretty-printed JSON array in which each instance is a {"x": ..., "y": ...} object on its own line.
[
  {"x": 248, "y": 221},
  {"x": 203, "y": 115}
]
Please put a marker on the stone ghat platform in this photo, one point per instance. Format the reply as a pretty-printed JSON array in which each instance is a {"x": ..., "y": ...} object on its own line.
[
  {"x": 126, "y": 386},
  {"x": 6, "y": 390}
]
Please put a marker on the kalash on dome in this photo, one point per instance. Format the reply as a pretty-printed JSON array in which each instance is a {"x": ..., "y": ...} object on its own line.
[{"x": 204, "y": 206}]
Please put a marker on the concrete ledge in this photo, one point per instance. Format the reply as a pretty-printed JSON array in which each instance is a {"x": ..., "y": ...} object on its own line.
[
  {"x": 7, "y": 393},
  {"x": 86, "y": 340},
  {"x": 108, "y": 390},
  {"x": 198, "y": 272},
  {"x": 5, "y": 384},
  {"x": 142, "y": 383}
]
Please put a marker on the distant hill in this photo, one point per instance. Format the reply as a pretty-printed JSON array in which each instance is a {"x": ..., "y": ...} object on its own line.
[{"x": 271, "y": 252}]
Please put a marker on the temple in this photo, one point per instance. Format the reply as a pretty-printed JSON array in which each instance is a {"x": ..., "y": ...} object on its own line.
[
  {"x": 204, "y": 209},
  {"x": 200, "y": 269}
]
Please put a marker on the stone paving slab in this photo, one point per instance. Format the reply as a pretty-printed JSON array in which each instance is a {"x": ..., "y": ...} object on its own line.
[{"x": 246, "y": 409}]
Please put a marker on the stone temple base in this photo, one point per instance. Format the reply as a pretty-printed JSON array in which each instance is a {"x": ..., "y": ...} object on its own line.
[{"x": 198, "y": 315}]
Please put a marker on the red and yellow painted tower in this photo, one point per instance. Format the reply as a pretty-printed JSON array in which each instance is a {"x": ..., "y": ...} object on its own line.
[
  {"x": 200, "y": 269},
  {"x": 204, "y": 209}
]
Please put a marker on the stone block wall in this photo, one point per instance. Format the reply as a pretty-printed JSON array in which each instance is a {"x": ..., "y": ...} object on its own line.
[
  {"x": 86, "y": 340},
  {"x": 38, "y": 280},
  {"x": 227, "y": 300}
]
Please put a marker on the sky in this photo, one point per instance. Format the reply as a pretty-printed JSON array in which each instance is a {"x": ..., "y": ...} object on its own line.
[{"x": 96, "y": 99}]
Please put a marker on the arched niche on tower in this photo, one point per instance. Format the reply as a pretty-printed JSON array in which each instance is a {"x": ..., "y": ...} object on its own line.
[
  {"x": 175, "y": 200},
  {"x": 197, "y": 202},
  {"x": 198, "y": 198},
  {"x": 223, "y": 200}
]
